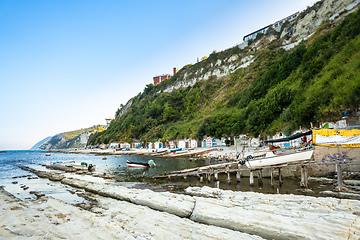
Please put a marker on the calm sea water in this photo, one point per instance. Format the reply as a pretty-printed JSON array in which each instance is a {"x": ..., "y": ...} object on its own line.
[{"x": 20, "y": 183}]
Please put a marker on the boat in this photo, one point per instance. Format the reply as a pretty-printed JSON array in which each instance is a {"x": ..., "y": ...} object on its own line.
[
  {"x": 48, "y": 154},
  {"x": 149, "y": 164},
  {"x": 77, "y": 166},
  {"x": 164, "y": 150},
  {"x": 182, "y": 151},
  {"x": 175, "y": 150},
  {"x": 81, "y": 166},
  {"x": 271, "y": 159}
]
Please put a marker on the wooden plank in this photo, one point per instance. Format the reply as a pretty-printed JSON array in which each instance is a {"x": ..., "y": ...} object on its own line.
[
  {"x": 251, "y": 178},
  {"x": 339, "y": 176}
]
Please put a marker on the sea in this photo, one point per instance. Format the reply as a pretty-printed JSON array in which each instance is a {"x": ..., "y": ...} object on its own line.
[{"x": 22, "y": 184}]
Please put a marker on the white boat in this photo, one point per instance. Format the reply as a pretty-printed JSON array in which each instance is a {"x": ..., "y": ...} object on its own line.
[
  {"x": 162, "y": 150},
  {"x": 77, "y": 166},
  {"x": 279, "y": 159},
  {"x": 149, "y": 164}
]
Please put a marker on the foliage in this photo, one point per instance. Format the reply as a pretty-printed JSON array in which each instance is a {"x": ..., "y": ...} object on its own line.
[
  {"x": 72, "y": 134},
  {"x": 280, "y": 91}
]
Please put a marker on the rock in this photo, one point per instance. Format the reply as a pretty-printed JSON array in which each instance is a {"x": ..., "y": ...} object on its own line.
[
  {"x": 180, "y": 205},
  {"x": 39, "y": 195},
  {"x": 277, "y": 216},
  {"x": 352, "y": 182}
]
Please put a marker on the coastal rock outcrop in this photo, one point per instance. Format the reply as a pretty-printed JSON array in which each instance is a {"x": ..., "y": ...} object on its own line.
[
  {"x": 277, "y": 216},
  {"x": 180, "y": 205}
]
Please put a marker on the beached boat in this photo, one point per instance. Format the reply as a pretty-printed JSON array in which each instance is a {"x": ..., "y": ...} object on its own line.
[
  {"x": 77, "y": 166},
  {"x": 149, "y": 164},
  {"x": 175, "y": 150},
  {"x": 182, "y": 151},
  {"x": 271, "y": 160},
  {"x": 162, "y": 150}
]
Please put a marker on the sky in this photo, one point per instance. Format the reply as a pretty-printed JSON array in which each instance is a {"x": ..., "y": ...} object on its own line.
[{"x": 67, "y": 65}]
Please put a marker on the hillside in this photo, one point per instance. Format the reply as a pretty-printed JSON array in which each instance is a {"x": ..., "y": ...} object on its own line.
[
  {"x": 276, "y": 82},
  {"x": 71, "y": 139},
  {"x": 37, "y": 145}
]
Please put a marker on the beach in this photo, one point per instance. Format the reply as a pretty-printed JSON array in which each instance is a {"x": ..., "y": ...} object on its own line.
[
  {"x": 48, "y": 218},
  {"x": 117, "y": 212}
]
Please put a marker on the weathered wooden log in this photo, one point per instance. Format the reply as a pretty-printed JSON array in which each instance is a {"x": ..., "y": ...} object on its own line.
[
  {"x": 251, "y": 178},
  {"x": 238, "y": 174},
  {"x": 280, "y": 181},
  {"x": 228, "y": 174},
  {"x": 304, "y": 180},
  {"x": 339, "y": 176},
  {"x": 260, "y": 178},
  {"x": 216, "y": 176}
]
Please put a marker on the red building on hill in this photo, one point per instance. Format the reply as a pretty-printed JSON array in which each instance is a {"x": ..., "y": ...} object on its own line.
[{"x": 159, "y": 79}]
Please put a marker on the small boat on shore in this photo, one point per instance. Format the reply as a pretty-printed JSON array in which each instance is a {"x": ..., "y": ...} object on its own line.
[
  {"x": 77, "y": 166},
  {"x": 175, "y": 150},
  {"x": 149, "y": 164},
  {"x": 182, "y": 151},
  {"x": 278, "y": 159},
  {"x": 164, "y": 150}
]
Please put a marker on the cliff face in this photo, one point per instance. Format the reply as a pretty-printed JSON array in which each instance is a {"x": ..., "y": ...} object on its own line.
[
  {"x": 220, "y": 65},
  {"x": 319, "y": 13},
  {"x": 59, "y": 142},
  {"x": 37, "y": 145},
  {"x": 71, "y": 139}
]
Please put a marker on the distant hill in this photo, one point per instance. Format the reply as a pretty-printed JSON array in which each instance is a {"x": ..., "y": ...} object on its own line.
[
  {"x": 37, "y": 145},
  {"x": 71, "y": 139}
]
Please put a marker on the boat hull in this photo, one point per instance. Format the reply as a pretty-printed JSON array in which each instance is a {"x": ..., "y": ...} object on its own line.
[
  {"x": 281, "y": 159},
  {"x": 176, "y": 150},
  {"x": 137, "y": 165}
]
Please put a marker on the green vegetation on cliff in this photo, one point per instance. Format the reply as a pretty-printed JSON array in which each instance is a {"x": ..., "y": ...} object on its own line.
[{"x": 280, "y": 91}]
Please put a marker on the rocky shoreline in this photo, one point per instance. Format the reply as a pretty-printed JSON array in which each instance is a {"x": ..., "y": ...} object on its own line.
[
  {"x": 127, "y": 213},
  {"x": 220, "y": 153}
]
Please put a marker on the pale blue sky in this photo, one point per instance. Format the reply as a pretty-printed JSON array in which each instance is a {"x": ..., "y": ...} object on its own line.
[{"x": 66, "y": 65}]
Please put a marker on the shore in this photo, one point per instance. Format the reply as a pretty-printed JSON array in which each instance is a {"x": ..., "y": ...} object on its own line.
[
  {"x": 117, "y": 212},
  {"x": 228, "y": 153},
  {"x": 48, "y": 218}
]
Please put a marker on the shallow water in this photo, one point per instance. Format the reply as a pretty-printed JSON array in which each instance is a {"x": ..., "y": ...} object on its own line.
[{"x": 20, "y": 182}]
